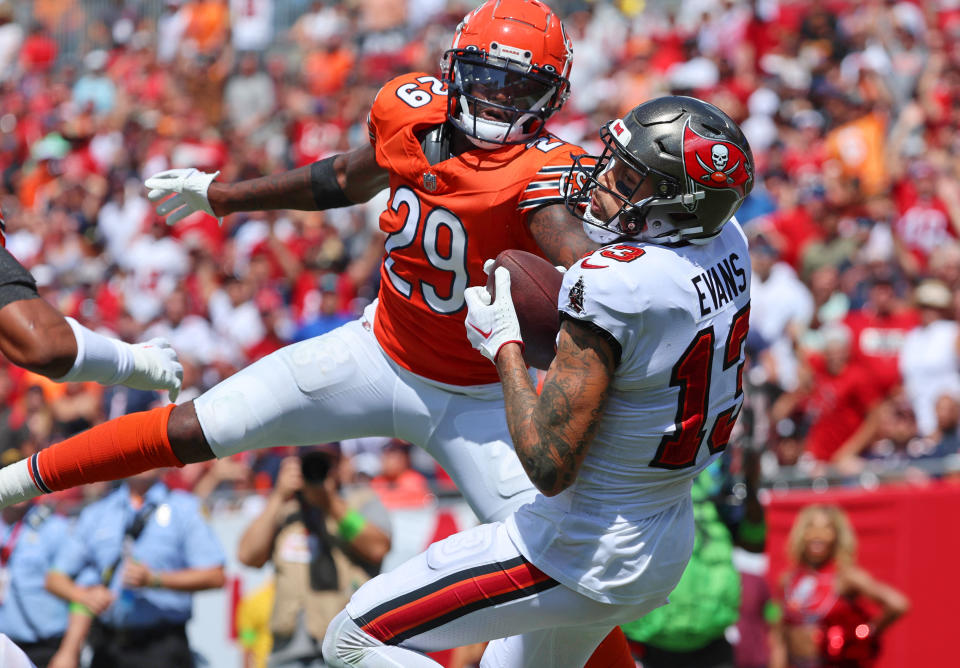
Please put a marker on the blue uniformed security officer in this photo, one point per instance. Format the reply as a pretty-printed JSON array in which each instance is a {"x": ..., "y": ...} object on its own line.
[
  {"x": 152, "y": 548},
  {"x": 34, "y": 619}
]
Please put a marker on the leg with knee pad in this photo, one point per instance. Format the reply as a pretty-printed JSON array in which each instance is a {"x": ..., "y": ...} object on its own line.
[
  {"x": 346, "y": 645},
  {"x": 472, "y": 444}
]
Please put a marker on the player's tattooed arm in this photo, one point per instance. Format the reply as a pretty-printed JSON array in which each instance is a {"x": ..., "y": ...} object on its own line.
[
  {"x": 357, "y": 174},
  {"x": 553, "y": 431},
  {"x": 559, "y": 235}
]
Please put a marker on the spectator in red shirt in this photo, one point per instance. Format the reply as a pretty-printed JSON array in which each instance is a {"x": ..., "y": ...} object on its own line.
[
  {"x": 878, "y": 331},
  {"x": 270, "y": 305},
  {"x": 794, "y": 226},
  {"x": 926, "y": 220},
  {"x": 805, "y": 155},
  {"x": 399, "y": 485},
  {"x": 834, "y": 393},
  {"x": 39, "y": 51}
]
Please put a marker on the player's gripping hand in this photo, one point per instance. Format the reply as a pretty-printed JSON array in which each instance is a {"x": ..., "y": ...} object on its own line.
[
  {"x": 492, "y": 322},
  {"x": 155, "y": 367},
  {"x": 189, "y": 189}
]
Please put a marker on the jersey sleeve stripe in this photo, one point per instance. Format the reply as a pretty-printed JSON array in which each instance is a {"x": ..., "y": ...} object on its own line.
[
  {"x": 561, "y": 169},
  {"x": 543, "y": 185},
  {"x": 539, "y": 201}
]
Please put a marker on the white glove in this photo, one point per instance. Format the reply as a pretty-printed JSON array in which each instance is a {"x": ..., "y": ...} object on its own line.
[
  {"x": 492, "y": 323},
  {"x": 189, "y": 189},
  {"x": 155, "y": 367}
]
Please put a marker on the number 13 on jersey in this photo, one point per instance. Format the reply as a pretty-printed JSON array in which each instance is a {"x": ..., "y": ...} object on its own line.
[{"x": 692, "y": 374}]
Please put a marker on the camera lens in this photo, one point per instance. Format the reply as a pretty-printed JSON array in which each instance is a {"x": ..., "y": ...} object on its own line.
[{"x": 315, "y": 466}]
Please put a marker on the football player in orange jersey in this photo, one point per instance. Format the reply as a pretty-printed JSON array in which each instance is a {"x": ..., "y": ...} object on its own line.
[
  {"x": 471, "y": 171},
  {"x": 37, "y": 337}
]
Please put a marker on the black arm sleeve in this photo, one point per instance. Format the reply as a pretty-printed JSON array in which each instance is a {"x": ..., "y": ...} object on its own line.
[{"x": 327, "y": 192}]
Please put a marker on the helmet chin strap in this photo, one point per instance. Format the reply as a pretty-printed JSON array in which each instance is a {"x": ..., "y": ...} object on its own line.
[
  {"x": 494, "y": 131},
  {"x": 674, "y": 234},
  {"x": 597, "y": 230},
  {"x": 610, "y": 230}
]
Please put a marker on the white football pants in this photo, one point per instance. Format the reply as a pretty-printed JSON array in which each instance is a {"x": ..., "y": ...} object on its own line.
[
  {"x": 342, "y": 385},
  {"x": 472, "y": 587}
]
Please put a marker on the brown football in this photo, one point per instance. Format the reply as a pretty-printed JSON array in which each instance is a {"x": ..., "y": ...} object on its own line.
[{"x": 535, "y": 288}]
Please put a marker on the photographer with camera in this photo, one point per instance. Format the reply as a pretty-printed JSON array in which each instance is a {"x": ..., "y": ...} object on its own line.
[{"x": 325, "y": 539}]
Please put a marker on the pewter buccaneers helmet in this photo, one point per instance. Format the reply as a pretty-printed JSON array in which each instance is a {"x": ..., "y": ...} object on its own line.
[
  {"x": 698, "y": 158},
  {"x": 510, "y": 59}
]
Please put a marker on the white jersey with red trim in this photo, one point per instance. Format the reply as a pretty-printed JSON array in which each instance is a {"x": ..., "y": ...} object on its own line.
[{"x": 678, "y": 316}]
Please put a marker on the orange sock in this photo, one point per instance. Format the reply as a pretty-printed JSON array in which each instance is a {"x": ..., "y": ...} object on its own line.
[
  {"x": 110, "y": 451},
  {"x": 613, "y": 652}
]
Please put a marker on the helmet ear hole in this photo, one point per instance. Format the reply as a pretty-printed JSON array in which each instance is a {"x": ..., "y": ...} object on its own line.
[
  {"x": 631, "y": 223},
  {"x": 667, "y": 188}
]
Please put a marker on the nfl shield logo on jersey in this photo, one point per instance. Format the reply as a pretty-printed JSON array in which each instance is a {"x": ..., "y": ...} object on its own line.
[
  {"x": 576, "y": 296},
  {"x": 429, "y": 181}
]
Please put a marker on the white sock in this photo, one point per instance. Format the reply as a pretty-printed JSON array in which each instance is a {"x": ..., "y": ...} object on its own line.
[
  {"x": 99, "y": 358},
  {"x": 16, "y": 485}
]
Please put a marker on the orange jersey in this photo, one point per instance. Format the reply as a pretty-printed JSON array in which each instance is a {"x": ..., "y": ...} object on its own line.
[{"x": 443, "y": 222}]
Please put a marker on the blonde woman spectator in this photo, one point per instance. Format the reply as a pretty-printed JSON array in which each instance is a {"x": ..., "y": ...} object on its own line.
[{"x": 821, "y": 590}]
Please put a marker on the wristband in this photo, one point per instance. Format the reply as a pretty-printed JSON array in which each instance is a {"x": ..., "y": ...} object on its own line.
[
  {"x": 80, "y": 609},
  {"x": 351, "y": 525},
  {"x": 155, "y": 582}
]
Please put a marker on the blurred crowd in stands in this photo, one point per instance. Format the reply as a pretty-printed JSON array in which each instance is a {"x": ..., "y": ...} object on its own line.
[{"x": 851, "y": 109}]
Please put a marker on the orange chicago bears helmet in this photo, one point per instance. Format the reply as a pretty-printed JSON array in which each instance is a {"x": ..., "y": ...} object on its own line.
[{"x": 507, "y": 71}]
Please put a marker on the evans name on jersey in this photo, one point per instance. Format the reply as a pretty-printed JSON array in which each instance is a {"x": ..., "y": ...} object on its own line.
[{"x": 723, "y": 281}]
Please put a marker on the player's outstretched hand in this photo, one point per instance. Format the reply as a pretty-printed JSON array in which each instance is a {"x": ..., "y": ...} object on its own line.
[
  {"x": 189, "y": 189},
  {"x": 156, "y": 367},
  {"x": 492, "y": 322}
]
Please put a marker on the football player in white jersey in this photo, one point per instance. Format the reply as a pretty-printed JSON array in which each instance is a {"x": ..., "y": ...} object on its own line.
[{"x": 642, "y": 395}]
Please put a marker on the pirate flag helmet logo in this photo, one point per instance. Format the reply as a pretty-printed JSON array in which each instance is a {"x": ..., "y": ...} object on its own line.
[{"x": 714, "y": 163}]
